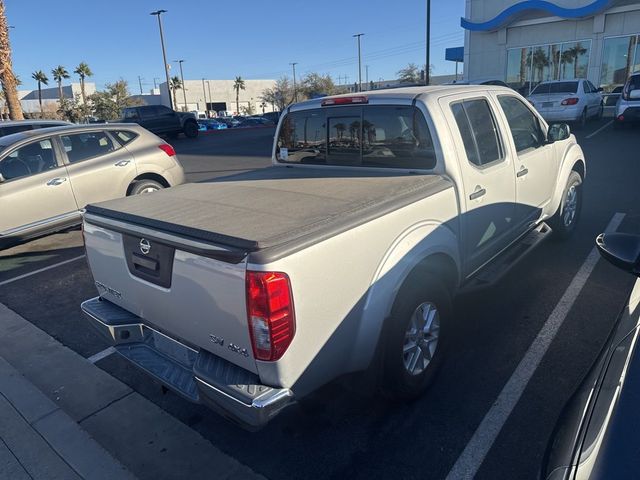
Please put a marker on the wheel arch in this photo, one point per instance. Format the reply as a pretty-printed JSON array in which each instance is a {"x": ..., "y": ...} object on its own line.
[
  {"x": 148, "y": 176},
  {"x": 573, "y": 161},
  {"x": 428, "y": 248}
]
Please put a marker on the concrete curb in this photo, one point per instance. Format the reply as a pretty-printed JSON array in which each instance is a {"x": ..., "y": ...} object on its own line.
[
  {"x": 81, "y": 453},
  {"x": 149, "y": 442}
]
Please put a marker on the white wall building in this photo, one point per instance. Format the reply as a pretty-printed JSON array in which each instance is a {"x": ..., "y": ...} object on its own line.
[
  {"x": 217, "y": 95},
  {"x": 50, "y": 96},
  {"x": 594, "y": 39}
]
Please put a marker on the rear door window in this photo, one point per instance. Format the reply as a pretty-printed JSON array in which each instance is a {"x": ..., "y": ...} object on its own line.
[
  {"x": 123, "y": 136},
  {"x": 83, "y": 146},
  {"x": 131, "y": 114},
  {"x": 478, "y": 130}
]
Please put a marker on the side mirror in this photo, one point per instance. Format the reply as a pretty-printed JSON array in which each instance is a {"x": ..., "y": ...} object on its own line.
[
  {"x": 622, "y": 250},
  {"x": 600, "y": 90},
  {"x": 557, "y": 132},
  {"x": 634, "y": 94}
]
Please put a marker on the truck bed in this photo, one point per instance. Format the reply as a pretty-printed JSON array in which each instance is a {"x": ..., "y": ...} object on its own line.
[{"x": 275, "y": 211}]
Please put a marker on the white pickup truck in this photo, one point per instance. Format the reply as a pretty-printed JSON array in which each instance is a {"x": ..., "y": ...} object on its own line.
[{"x": 248, "y": 292}]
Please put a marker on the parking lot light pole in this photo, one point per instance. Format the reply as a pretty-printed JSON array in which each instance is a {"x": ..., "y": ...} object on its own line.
[
  {"x": 427, "y": 75},
  {"x": 358, "y": 35},
  {"x": 295, "y": 90},
  {"x": 204, "y": 95},
  {"x": 210, "y": 97},
  {"x": 158, "y": 14},
  {"x": 184, "y": 89}
]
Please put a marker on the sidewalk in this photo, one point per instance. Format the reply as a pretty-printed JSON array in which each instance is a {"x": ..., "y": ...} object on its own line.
[
  {"x": 63, "y": 417},
  {"x": 39, "y": 441}
]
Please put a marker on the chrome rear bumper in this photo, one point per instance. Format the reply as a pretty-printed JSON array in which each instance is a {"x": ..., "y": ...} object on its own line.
[{"x": 198, "y": 376}]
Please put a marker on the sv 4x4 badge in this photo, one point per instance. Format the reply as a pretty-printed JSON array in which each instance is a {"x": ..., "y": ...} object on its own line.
[{"x": 234, "y": 348}]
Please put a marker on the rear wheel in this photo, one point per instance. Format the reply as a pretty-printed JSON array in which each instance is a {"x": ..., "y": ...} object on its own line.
[
  {"x": 582, "y": 123},
  {"x": 191, "y": 129},
  {"x": 566, "y": 218},
  {"x": 145, "y": 186},
  {"x": 600, "y": 112},
  {"x": 415, "y": 337}
]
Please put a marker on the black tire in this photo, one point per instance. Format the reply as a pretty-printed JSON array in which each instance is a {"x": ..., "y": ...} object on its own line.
[
  {"x": 562, "y": 229},
  {"x": 396, "y": 382},
  {"x": 144, "y": 186},
  {"x": 190, "y": 129},
  {"x": 582, "y": 123}
]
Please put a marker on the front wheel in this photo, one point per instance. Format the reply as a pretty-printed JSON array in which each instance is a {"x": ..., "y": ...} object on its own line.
[
  {"x": 415, "y": 336},
  {"x": 191, "y": 129},
  {"x": 566, "y": 218}
]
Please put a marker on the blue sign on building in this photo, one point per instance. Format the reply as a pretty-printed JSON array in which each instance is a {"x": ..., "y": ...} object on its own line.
[
  {"x": 455, "y": 54},
  {"x": 509, "y": 14}
]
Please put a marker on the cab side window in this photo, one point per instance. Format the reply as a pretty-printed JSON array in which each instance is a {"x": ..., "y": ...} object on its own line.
[
  {"x": 478, "y": 131},
  {"x": 30, "y": 159},
  {"x": 524, "y": 125}
]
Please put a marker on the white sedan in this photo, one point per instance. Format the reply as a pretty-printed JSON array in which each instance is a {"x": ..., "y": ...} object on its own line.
[{"x": 567, "y": 100}]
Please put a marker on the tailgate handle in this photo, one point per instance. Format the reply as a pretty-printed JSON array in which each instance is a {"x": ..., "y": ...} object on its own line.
[{"x": 144, "y": 262}]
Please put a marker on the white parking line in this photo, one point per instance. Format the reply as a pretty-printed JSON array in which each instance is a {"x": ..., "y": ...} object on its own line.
[
  {"x": 476, "y": 450},
  {"x": 599, "y": 130},
  {"x": 100, "y": 355},
  {"x": 40, "y": 270}
]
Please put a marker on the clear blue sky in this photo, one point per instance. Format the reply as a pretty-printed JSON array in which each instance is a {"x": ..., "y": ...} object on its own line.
[{"x": 224, "y": 38}]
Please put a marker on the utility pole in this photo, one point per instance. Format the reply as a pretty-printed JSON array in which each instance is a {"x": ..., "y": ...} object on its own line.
[
  {"x": 358, "y": 35},
  {"x": 427, "y": 74},
  {"x": 184, "y": 88},
  {"x": 158, "y": 14},
  {"x": 209, "y": 89},
  {"x": 155, "y": 82},
  {"x": 295, "y": 90},
  {"x": 140, "y": 83}
]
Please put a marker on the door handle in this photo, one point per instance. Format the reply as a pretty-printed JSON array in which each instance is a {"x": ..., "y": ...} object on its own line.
[
  {"x": 522, "y": 172},
  {"x": 478, "y": 192},
  {"x": 122, "y": 163},
  {"x": 56, "y": 181}
]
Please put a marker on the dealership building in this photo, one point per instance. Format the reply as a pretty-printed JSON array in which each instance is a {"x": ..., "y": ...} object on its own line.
[{"x": 526, "y": 42}]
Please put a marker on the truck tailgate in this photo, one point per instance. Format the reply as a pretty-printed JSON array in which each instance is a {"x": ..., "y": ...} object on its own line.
[{"x": 195, "y": 299}]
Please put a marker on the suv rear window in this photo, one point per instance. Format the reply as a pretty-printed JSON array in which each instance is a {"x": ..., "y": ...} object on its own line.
[{"x": 370, "y": 136}]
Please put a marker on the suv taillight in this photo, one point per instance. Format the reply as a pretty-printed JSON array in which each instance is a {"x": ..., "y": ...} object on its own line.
[
  {"x": 270, "y": 313},
  {"x": 570, "y": 101},
  {"x": 168, "y": 149}
]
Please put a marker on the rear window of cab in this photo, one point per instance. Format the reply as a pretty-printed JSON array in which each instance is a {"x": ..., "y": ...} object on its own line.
[{"x": 385, "y": 136}]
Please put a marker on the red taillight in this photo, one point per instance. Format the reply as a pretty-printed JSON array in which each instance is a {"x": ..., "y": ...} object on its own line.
[
  {"x": 570, "y": 101},
  {"x": 345, "y": 101},
  {"x": 270, "y": 313},
  {"x": 168, "y": 149}
]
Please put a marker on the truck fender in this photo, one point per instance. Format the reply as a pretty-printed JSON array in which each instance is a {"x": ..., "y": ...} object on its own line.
[
  {"x": 410, "y": 249},
  {"x": 573, "y": 159}
]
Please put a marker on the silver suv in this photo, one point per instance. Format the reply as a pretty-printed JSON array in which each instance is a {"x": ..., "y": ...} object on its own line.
[
  {"x": 628, "y": 106},
  {"x": 48, "y": 176}
]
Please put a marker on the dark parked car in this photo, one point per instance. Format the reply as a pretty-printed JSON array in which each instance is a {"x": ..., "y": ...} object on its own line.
[
  {"x": 273, "y": 116},
  {"x": 255, "y": 122},
  {"x": 598, "y": 433},
  {"x": 229, "y": 121},
  {"x": 162, "y": 120},
  {"x": 17, "y": 126}
]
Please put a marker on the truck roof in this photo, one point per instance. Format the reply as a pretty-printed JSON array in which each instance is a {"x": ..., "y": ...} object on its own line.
[{"x": 404, "y": 94}]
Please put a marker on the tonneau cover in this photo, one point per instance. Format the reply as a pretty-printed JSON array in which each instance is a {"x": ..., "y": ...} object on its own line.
[{"x": 274, "y": 206}]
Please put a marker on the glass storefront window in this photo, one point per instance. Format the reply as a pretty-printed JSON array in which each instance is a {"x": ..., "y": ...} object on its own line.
[
  {"x": 620, "y": 58},
  {"x": 528, "y": 66},
  {"x": 575, "y": 60}
]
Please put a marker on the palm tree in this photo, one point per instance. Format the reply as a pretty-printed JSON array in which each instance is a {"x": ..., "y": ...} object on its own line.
[
  {"x": 7, "y": 78},
  {"x": 42, "y": 79},
  {"x": 572, "y": 54},
  {"x": 83, "y": 71},
  {"x": 238, "y": 85},
  {"x": 175, "y": 84},
  {"x": 60, "y": 73}
]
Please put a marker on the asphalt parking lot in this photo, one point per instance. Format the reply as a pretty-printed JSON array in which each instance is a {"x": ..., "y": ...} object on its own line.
[{"x": 340, "y": 433}]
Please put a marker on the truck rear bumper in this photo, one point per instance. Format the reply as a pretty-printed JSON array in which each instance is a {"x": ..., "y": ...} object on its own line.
[{"x": 198, "y": 376}]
